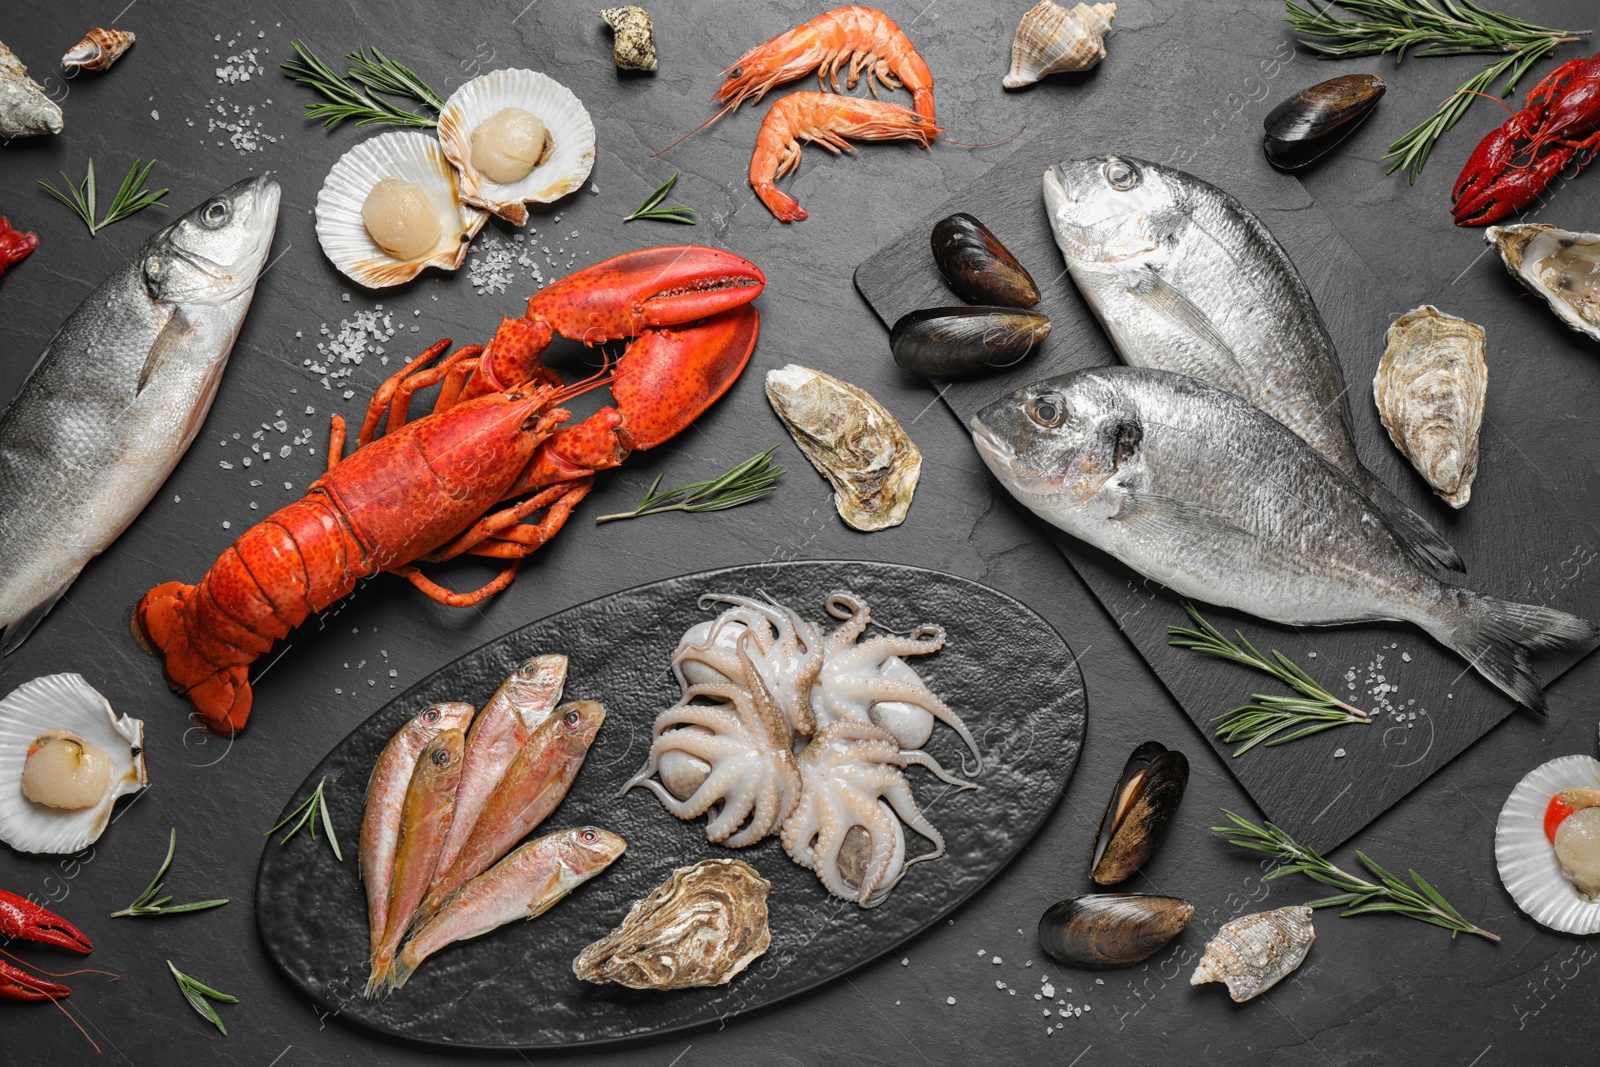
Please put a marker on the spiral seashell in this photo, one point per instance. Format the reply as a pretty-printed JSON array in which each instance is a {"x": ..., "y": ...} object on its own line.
[
  {"x": 1050, "y": 39},
  {"x": 1253, "y": 953},
  {"x": 98, "y": 49},
  {"x": 1429, "y": 390},
  {"x": 634, "y": 47}
]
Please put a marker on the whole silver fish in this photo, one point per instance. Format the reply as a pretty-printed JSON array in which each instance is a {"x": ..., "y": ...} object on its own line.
[
  {"x": 1185, "y": 279},
  {"x": 1196, "y": 488},
  {"x": 119, "y": 394}
]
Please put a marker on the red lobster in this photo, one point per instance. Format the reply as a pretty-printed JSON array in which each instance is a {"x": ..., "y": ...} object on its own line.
[
  {"x": 1507, "y": 172},
  {"x": 438, "y": 487},
  {"x": 22, "y": 919}
]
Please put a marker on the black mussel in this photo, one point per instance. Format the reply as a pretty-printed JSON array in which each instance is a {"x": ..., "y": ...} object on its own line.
[
  {"x": 962, "y": 342},
  {"x": 1309, "y": 123},
  {"x": 1136, "y": 816},
  {"x": 1111, "y": 929},
  {"x": 978, "y": 267}
]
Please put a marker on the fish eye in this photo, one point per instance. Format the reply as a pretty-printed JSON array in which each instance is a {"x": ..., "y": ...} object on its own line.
[
  {"x": 431, "y": 715},
  {"x": 589, "y": 837},
  {"x": 441, "y": 758},
  {"x": 1047, "y": 410},
  {"x": 216, "y": 213},
  {"x": 1121, "y": 175},
  {"x": 571, "y": 718}
]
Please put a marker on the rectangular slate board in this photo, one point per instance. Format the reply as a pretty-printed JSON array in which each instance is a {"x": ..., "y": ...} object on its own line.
[{"x": 1528, "y": 533}]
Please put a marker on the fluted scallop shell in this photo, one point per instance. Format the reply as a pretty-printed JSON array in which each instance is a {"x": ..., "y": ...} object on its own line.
[
  {"x": 1253, "y": 953},
  {"x": 563, "y": 114},
  {"x": 1051, "y": 39},
  {"x": 25, "y": 110},
  {"x": 701, "y": 927},
  {"x": 852, "y": 440},
  {"x": 1527, "y": 860},
  {"x": 65, "y": 703},
  {"x": 1562, "y": 266},
  {"x": 1429, "y": 390},
  {"x": 634, "y": 47},
  {"x": 99, "y": 49},
  {"x": 413, "y": 157}
]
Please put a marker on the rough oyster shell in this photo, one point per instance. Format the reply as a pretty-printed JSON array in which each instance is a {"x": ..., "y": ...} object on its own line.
[
  {"x": 702, "y": 926},
  {"x": 571, "y": 139},
  {"x": 1111, "y": 929},
  {"x": 416, "y": 158},
  {"x": 1429, "y": 390},
  {"x": 1255, "y": 952},
  {"x": 852, "y": 441},
  {"x": 1136, "y": 817},
  {"x": 1562, "y": 266},
  {"x": 1525, "y": 857},
  {"x": 99, "y": 49},
  {"x": 25, "y": 111},
  {"x": 634, "y": 47},
  {"x": 1050, "y": 39},
  {"x": 63, "y": 703}
]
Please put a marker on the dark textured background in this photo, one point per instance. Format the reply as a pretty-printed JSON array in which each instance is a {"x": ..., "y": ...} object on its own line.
[{"x": 1373, "y": 989}]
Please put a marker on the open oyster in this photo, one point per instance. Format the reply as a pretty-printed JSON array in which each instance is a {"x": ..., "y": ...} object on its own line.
[
  {"x": 1559, "y": 265},
  {"x": 1429, "y": 390},
  {"x": 704, "y": 925},
  {"x": 1547, "y": 844},
  {"x": 852, "y": 440}
]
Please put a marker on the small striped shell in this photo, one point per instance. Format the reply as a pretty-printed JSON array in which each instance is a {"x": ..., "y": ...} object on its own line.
[
  {"x": 99, "y": 49},
  {"x": 416, "y": 158},
  {"x": 1253, "y": 953},
  {"x": 1526, "y": 859},
  {"x": 1051, "y": 39},
  {"x": 564, "y": 116}
]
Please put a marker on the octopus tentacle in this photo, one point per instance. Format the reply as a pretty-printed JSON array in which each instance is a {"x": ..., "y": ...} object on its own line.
[
  {"x": 864, "y": 691},
  {"x": 922, "y": 759},
  {"x": 842, "y": 604}
]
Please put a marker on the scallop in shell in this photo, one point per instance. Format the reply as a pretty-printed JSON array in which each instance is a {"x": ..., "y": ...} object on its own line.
[
  {"x": 99, "y": 49},
  {"x": 1559, "y": 265},
  {"x": 701, "y": 927},
  {"x": 852, "y": 440},
  {"x": 410, "y": 157},
  {"x": 1429, "y": 390},
  {"x": 63, "y": 705},
  {"x": 1526, "y": 854},
  {"x": 559, "y": 170},
  {"x": 1255, "y": 952},
  {"x": 1051, "y": 39}
]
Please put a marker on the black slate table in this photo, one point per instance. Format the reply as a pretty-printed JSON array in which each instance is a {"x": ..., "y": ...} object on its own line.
[{"x": 1374, "y": 989}]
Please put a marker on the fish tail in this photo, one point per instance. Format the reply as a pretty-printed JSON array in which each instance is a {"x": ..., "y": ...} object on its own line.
[
  {"x": 1498, "y": 637},
  {"x": 16, "y": 631},
  {"x": 399, "y": 973},
  {"x": 1415, "y": 533},
  {"x": 380, "y": 978}
]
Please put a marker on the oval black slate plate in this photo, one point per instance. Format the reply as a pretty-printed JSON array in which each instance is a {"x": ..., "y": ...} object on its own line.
[{"x": 1005, "y": 670}]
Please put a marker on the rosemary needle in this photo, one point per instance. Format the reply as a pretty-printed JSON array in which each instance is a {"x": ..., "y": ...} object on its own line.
[
  {"x": 131, "y": 198},
  {"x": 199, "y": 995},
  {"x": 147, "y": 903},
  {"x": 750, "y": 480},
  {"x": 346, "y": 101},
  {"x": 652, "y": 209},
  {"x": 312, "y": 810}
]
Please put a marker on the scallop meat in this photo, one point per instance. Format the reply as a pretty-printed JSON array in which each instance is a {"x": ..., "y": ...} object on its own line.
[
  {"x": 1559, "y": 265},
  {"x": 1429, "y": 390},
  {"x": 1547, "y": 844},
  {"x": 1051, "y": 39},
  {"x": 1253, "y": 953}
]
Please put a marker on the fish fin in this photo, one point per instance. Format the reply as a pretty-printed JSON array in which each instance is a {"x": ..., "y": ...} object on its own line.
[
  {"x": 167, "y": 346},
  {"x": 1416, "y": 535},
  {"x": 1498, "y": 637},
  {"x": 378, "y": 979},
  {"x": 399, "y": 974},
  {"x": 1163, "y": 298},
  {"x": 13, "y": 633},
  {"x": 1162, "y": 518}
]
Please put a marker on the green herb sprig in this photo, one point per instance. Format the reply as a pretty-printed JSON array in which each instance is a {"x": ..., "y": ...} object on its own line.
[
  {"x": 312, "y": 810},
  {"x": 1357, "y": 896},
  {"x": 199, "y": 995},
  {"x": 147, "y": 903},
  {"x": 1265, "y": 721},
  {"x": 132, "y": 197},
  {"x": 346, "y": 101},
  {"x": 652, "y": 209},
  {"x": 750, "y": 480}
]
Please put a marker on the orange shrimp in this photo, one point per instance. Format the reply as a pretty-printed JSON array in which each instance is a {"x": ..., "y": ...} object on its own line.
[{"x": 827, "y": 120}]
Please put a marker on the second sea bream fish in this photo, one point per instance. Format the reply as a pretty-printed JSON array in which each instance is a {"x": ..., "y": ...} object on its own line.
[
  {"x": 1184, "y": 278},
  {"x": 1201, "y": 491}
]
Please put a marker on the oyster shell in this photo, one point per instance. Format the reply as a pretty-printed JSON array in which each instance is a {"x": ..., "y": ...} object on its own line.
[
  {"x": 1429, "y": 390},
  {"x": 1111, "y": 929},
  {"x": 701, "y": 927},
  {"x": 99, "y": 49},
  {"x": 978, "y": 267},
  {"x": 25, "y": 110},
  {"x": 571, "y": 146},
  {"x": 1137, "y": 815},
  {"x": 960, "y": 342},
  {"x": 1525, "y": 853},
  {"x": 852, "y": 441},
  {"x": 1560, "y": 265},
  {"x": 1303, "y": 128},
  {"x": 1050, "y": 39},
  {"x": 1255, "y": 952},
  {"x": 634, "y": 46},
  {"x": 53, "y": 704}
]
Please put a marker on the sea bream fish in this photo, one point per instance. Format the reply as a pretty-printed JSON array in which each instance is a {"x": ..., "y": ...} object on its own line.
[
  {"x": 1197, "y": 489},
  {"x": 119, "y": 394},
  {"x": 1184, "y": 278}
]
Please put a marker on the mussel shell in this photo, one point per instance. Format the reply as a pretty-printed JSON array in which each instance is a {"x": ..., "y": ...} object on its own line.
[
  {"x": 1111, "y": 929},
  {"x": 978, "y": 267},
  {"x": 1130, "y": 832},
  {"x": 961, "y": 342},
  {"x": 1305, "y": 126}
]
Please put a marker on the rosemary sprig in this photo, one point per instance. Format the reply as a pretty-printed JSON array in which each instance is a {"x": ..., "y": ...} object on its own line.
[
  {"x": 132, "y": 197},
  {"x": 750, "y": 480},
  {"x": 1264, "y": 722},
  {"x": 652, "y": 209},
  {"x": 347, "y": 101},
  {"x": 199, "y": 995},
  {"x": 1358, "y": 896},
  {"x": 384, "y": 75},
  {"x": 309, "y": 811},
  {"x": 146, "y": 903}
]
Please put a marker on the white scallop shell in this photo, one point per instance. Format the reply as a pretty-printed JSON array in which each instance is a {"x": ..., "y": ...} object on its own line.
[
  {"x": 563, "y": 114},
  {"x": 416, "y": 158},
  {"x": 68, "y": 703},
  {"x": 1527, "y": 860}
]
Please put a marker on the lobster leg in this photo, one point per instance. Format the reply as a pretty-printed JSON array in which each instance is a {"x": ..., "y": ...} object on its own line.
[
  {"x": 492, "y": 525},
  {"x": 18, "y": 984},
  {"x": 336, "y": 436},
  {"x": 524, "y": 539},
  {"x": 450, "y": 599},
  {"x": 380, "y": 400},
  {"x": 400, "y": 406},
  {"x": 24, "y": 920}
]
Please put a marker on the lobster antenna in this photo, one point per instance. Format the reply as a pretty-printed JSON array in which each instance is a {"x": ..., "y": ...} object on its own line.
[
  {"x": 601, "y": 377},
  {"x": 697, "y": 129}
]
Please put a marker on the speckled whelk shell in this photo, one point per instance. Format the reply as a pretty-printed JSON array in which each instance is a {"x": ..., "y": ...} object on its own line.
[
  {"x": 1429, "y": 390},
  {"x": 1527, "y": 860},
  {"x": 99, "y": 49},
  {"x": 416, "y": 158},
  {"x": 701, "y": 927},
  {"x": 1562, "y": 266},
  {"x": 571, "y": 155},
  {"x": 63, "y": 703},
  {"x": 1111, "y": 929},
  {"x": 634, "y": 46},
  {"x": 852, "y": 440},
  {"x": 1303, "y": 128},
  {"x": 25, "y": 110},
  {"x": 1136, "y": 817},
  {"x": 1051, "y": 39},
  {"x": 1253, "y": 953}
]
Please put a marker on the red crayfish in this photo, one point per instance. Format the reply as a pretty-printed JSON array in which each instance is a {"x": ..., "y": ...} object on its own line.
[
  {"x": 440, "y": 486},
  {"x": 23, "y": 920},
  {"x": 15, "y": 246},
  {"x": 1511, "y": 167}
]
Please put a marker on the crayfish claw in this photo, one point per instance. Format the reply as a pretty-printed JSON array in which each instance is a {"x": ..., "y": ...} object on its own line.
[
  {"x": 24, "y": 920},
  {"x": 18, "y": 984}
]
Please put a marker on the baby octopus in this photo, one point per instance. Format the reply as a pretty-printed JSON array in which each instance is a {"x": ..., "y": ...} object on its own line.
[{"x": 787, "y": 653}]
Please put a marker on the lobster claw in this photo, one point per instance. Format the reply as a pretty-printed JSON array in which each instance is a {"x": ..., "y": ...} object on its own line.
[
  {"x": 18, "y": 984},
  {"x": 1482, "y": 200},
  {"x": 24, "y": 920}
]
